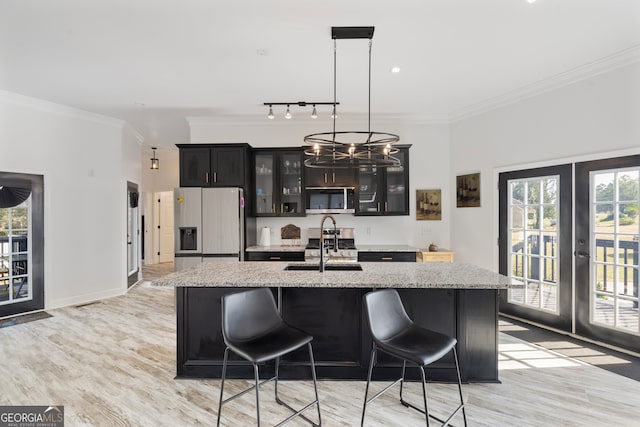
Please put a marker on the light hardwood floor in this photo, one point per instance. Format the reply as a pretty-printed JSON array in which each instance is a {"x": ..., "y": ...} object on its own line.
[{"x": 112, "y": 363}]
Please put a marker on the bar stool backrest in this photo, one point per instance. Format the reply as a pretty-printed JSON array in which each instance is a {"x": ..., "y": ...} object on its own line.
[
  {"x": 385, "y": 314},
  {"x": 247, "y": 315}
]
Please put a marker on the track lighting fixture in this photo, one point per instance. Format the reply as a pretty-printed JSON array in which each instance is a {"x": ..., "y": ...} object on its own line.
[{"x": 288, "y": 115}]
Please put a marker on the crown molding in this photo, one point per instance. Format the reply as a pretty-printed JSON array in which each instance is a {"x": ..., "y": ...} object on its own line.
[
  {"x": 609, "y": 63},
  {"x": 63, "y": 110}
]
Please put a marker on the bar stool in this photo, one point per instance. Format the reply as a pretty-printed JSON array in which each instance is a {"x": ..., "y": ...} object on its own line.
[
  {"x": 253, "y": 329},
  {"x": 395, "y": 333}
]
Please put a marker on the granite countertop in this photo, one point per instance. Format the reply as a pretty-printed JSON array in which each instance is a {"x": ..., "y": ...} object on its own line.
[
  {"x": 276, "y": 248},
  {"x": 387, "y": 248},
  {"x": 374, "y": 275}
]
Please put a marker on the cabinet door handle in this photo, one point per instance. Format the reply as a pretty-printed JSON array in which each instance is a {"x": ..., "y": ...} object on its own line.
[
  {"x": 274, "y": 258},
  {"x": 334, "y": 177},
  {"x": 281, "y": 207},
  {"x": 325, "y": 177},
  {"x": 215, "y": 177},
  {"x": 386, "y": 258},
  {"x": 273, "y": 208},
  {"x": 378, "y": 206},
  {"x": 386, "y": 206},
  {"x": 206, "y": 177}
]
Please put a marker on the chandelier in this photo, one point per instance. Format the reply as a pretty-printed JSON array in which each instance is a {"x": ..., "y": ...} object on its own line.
[{"x": 349, "y": 149}]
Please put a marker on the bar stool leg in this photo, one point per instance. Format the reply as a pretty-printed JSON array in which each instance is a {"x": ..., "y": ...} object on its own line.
[
  {"x": 366, "y": 390},
  {"x": 404, "y": 365},
  {"x": 424, "y": 393},
  {"x": 464, "y": 415},
  {"x": 224, "y": 371},
  {"x": 315, "y": 387},
  {"x": 255, "y": 370}
]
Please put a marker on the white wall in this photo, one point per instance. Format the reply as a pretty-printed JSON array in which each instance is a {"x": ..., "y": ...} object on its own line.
[
  {"x": 594, "y": 118},
  {"x": 429, "y": 169},
  {"x": 81, "y": 157}
]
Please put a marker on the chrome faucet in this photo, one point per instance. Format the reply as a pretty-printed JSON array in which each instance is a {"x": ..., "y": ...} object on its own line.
[{"x": 322, "y": 243}]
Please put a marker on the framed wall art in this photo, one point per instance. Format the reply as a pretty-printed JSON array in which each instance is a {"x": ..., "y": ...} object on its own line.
[
  {"x": 468, "y": 191},
  {"x": 428, "y": 205}
]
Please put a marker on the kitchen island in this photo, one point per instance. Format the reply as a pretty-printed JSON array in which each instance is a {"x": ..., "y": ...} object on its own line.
[{"x": 456, "y": 299}]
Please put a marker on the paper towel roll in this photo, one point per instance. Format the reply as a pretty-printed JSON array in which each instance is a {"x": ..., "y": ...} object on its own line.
[{"x": 265, "y": 236}]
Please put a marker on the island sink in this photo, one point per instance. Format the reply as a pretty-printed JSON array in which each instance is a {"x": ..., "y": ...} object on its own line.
[{"x": 327, "y": 267}]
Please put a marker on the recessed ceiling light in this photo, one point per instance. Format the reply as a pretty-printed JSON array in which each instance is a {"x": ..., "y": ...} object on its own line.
[{"x": 395, "y": 69}]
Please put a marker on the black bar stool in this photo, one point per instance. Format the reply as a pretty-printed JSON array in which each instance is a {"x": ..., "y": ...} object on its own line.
[
  {"x": 253, "y": 329},
  {"x": 395, "y": 333}
]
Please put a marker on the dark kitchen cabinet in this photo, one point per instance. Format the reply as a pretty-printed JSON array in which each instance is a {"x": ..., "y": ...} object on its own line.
[
  {"x": 213, "y": 165},
  {"x": 278, "y": 182},
  {"x": 384, "y": 191},
  {"x": 319, "y": 177},
  {"x": 275, "y": 256},
  {"x": 382, "y": 256}
]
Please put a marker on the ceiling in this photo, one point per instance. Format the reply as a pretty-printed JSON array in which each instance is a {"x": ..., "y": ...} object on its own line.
[{"x": 155, "y": 62}]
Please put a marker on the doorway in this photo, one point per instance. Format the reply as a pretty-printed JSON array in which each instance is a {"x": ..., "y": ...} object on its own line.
[
  {"x": 607, "y": 244},
  {"x": 535, "y": 244},
  {"x": 543, "y": 242},
  {"x": 133, "y": 234},
  {"x": 21, "y": 243}
]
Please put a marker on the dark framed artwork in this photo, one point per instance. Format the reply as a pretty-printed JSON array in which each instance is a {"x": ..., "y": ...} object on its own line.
[
  {"x": 468, "y": 190},
  {"x": 429, "y": 205}
]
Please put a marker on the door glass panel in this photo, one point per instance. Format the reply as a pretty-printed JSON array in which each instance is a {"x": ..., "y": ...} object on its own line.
[
  {"x": 15, "y": 253},
  {"x": 534, "y": 252},
  {"x": 614, "y": 239},
  {"x": 368, "y": 195},
  {"x": 396, "y": 186},
  {"x": 265, "y": 203},
  {"x": 291, "y": 179}
]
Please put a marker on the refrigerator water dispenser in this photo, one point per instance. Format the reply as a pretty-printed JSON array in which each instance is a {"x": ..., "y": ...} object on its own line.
[{"x": 188, "y": 238}]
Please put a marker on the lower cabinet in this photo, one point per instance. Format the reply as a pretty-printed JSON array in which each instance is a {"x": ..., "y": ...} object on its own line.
[
  {"x": 387, "y": 256},
  {"x": 275, "y": 256}
]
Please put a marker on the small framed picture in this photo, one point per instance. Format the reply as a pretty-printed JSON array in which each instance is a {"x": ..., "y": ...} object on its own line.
[
  {"x": 428, "y": 205},
  {"x": 468, "y": 191}
]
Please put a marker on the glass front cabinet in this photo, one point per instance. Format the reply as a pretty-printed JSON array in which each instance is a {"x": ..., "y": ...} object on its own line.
[
  {"x": 278, "y": 183},
  {"x": 384, "y": 191}
]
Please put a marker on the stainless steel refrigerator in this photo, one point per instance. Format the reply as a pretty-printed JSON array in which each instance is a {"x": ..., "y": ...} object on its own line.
[{"x": 209, "y": 225}]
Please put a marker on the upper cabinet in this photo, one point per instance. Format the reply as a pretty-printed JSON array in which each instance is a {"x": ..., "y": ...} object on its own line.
[
  {"x": 213, "y": 165},
  {"x": 318, "y": 177},
  {"x": 278, "y": 182},
  {"x": 384, "y": 191}
]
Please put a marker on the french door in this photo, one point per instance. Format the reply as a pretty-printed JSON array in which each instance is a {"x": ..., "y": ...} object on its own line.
[
  {"x": 21, "y": 243},
  {"x": 606, "y": 249},
  {"x": 535, "y": 244}
]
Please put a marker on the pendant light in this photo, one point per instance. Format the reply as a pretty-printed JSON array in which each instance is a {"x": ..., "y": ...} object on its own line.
[
  {"x": 347, "y": 149},
  {"x": 155, "y": 163}
]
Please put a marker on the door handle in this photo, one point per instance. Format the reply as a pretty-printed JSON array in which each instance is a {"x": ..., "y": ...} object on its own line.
[{"x": 582, "y": 254}]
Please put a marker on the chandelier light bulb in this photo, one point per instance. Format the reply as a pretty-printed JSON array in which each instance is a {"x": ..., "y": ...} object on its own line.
[
  {"x": 270, "y": 115},
  {"x": 352, "y": 150},
  {"x": 314, "y": 113},
  {"x": 334, "y": 114},
  {"x": 287, "y": 114},
  {"x": 316, "y": 148}
]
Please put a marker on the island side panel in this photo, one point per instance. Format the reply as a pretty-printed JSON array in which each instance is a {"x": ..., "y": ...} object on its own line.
[
  {"x": 478, "y": 335},
  {"x": 333, "y": 317},
  {"x": 200, "y": 346}
]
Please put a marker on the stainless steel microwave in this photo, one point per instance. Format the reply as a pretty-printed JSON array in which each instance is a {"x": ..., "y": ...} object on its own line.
[{"x": 322, "y": 200}]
